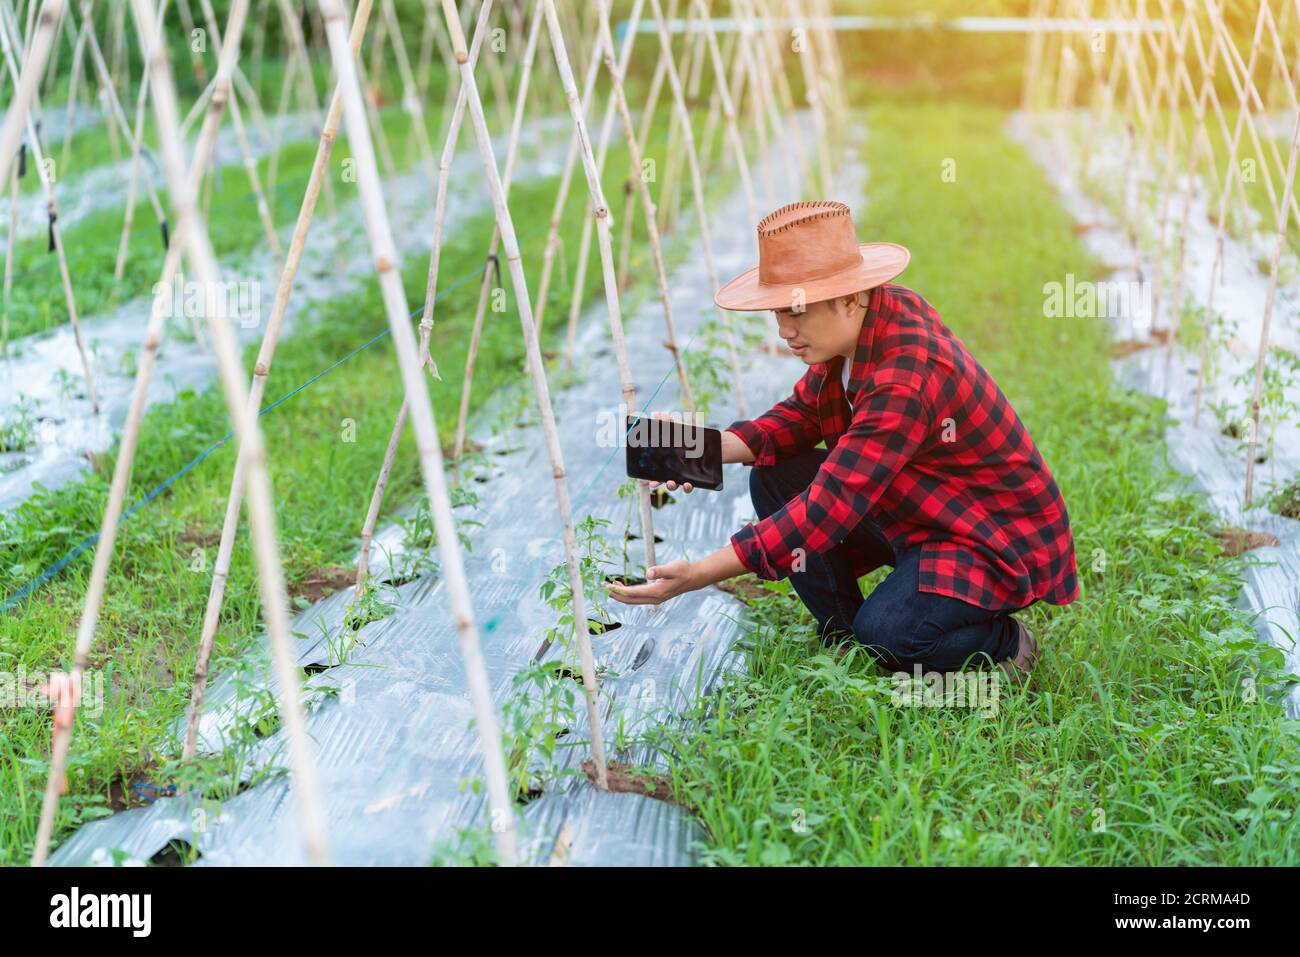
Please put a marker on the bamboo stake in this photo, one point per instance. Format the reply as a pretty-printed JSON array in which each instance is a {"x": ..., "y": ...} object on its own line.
[
  {"x": 116, "y": 113},
  {"x": 410, "y": 99},
  {"x": 1216, "y": 263},
  {"x": 119, "y": 267},
  {"x": 744, "y": 79},
  {"x": 430, "y": 296},
  {"x": 723, "y": 92},
  {"x": 250, "y": 164},
  {"x": 25, "y": 83},
  {"x": 196, "y": 58},
  {"x": 194, "y": 239},
  {"x": 20, "y": 112},
  {"x": 294, "y": 29},
  {"x": 553, "y": 241},
  {"x": 630, "y": 197},
  {"x": 1200, "y": 138},
  {"x": 778, "y": 86},
  {"x": 578, "y": 287},
  {"x": 1279, "y": 244},
  {"x": 78, "y": 54},
  {"x": 318, "y": 176},
  {"x": 814, "y": 97},
  {"x": 647, "y": 204},
  {"x": 701, "y": 208},
  {"x": 600, "y": 213},
  {"x": 537, "y": 371},
  {"x": 10, "y": 240},
  {"x": 485, "y": 287},
  {"x": 422, "y": 419}
]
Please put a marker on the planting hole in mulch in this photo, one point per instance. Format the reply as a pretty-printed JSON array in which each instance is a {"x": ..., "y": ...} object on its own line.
[
  {"x": 634, "y": 537},
  {"x": 625, "y": 779},
  {"x": 643, "y": 654},
  {"x": 178, "y": 852},
  {"x": 597, "y": 627},
  {"x": 315, "y": 668},
  {"x": 1234, "y": 541},
  {"x": 625, "y": 580},
  {"x": 529, "y": 796},
  {"x": 660, "y": 497}
]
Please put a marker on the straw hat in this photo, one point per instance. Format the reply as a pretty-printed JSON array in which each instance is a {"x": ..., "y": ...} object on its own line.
[{"x": 809, "y": 252}]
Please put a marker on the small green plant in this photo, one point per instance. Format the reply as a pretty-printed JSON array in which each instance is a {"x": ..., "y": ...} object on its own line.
[
  {"x": 1285, "y": 500},
  {"x": 19, "y": 432},
  {"x": 708, "y": 367},
  {"x": 420, "y": 538},
  {"x": 470, "y": 847},
  {"x": 595, "y": 558},
  {"x": 1279, "y": 399},
  {"x": 367, "y": 607},
  {"x": 541, "y": 710},
  {"x": 1208, "y": 333}
]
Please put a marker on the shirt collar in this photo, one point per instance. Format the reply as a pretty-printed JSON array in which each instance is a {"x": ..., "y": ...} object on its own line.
[{"x": 859, "y": 370}]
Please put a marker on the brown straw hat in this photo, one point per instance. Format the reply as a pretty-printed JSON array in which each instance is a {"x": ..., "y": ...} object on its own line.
[{"x": 809, "y": 252}]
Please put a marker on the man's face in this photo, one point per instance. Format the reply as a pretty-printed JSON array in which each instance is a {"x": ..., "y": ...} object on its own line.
[{"x": 823, "y": 330}]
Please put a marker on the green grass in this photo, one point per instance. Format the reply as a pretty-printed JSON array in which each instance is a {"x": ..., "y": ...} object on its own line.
[{"x": 1151, "y": 733}]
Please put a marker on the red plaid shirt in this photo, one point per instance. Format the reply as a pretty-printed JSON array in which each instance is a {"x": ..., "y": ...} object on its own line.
[{"x": 932, "y": 450}]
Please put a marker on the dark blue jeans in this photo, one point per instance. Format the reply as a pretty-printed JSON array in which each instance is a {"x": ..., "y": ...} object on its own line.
[{"x": 899, "y": 624}]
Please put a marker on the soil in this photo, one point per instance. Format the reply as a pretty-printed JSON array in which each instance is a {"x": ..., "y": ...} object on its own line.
[
  {"x": 624, "y": 779},
  {"x": 121, "y": 796},
  {"x": 1126, "y": 347},
  {"x": 746, "y": 588},
  {"x": 323, "y": 582},
  {"x": 207, "y": 538},
  {"x": 449, "y": 450},
  {"x": 1234, "y": 541}
]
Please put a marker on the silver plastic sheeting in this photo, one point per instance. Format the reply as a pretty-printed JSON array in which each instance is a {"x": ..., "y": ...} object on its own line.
[
  {"x": 1215, "y": 462},
  {"x": 392, "y": 740}
]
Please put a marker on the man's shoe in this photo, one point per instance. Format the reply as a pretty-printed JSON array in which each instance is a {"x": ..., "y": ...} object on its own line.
[{"x": 1018, "y": 667}]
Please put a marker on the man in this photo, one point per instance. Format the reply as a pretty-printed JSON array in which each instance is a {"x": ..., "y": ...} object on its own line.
[{"x": 926, "y": 466}]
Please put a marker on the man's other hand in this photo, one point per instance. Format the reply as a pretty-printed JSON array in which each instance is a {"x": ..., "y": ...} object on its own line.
[
  {"x": 672, "y": 486},
  {"x": 662, "y": 583}
]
